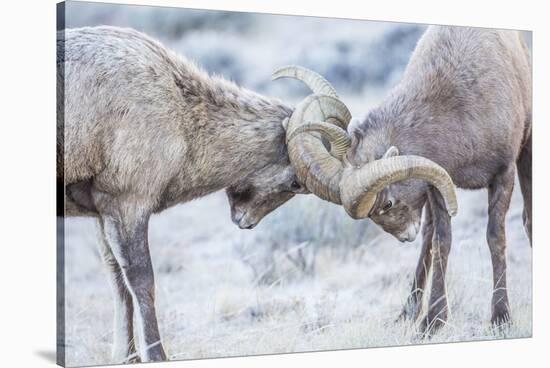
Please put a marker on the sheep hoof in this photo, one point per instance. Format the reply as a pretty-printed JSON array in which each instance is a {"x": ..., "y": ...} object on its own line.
[
  {"x": 501, "y": 316},
  {"x": 430, "y": 326}
]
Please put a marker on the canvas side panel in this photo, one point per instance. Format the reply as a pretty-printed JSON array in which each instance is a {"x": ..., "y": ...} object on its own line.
[{"x": 60, "y": 198}]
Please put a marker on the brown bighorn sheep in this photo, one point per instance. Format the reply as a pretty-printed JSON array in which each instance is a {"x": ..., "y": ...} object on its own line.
[
  {"x": 141, "y": 129},
  {"x": 463, "y": 112}
]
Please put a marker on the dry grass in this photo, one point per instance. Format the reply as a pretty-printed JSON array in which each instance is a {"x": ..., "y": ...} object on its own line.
[{"x": 212, "y": 300}]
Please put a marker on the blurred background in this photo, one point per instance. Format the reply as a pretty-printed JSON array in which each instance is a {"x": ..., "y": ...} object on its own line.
[
  {"x": 247, "y": 47},
  {"x": 308, "y": 277}
]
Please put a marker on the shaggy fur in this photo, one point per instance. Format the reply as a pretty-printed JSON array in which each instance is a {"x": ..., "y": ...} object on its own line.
[
  {"x": 465, "y": 103},
  {"x": 141, "y": 129}
]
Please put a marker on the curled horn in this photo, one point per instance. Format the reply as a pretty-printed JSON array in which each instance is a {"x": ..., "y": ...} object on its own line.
[
  {"x": 359, "y": 187},
  {"x": 316, "y": 168},
  {"x": 315, "y": 82},
  {"x": 338, "y": 138}
]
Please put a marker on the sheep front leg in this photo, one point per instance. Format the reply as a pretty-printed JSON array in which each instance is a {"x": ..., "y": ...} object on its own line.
[
  {"x": 500, "y": 193},
  {"x": 124, "y": 350},
  {"x": 125, "y": 223},
  {"x": 413, "y": 306},
  {"x": 441, "y": 246}
]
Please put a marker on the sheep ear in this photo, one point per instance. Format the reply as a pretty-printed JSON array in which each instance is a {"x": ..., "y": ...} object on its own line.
[
  {"x": 284, "y": 123},
  {"x": 353, "y": 125},
  {"x": 392, "y": 151}
]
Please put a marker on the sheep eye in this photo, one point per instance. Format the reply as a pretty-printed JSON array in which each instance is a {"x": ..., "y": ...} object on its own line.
[
  {"x": 295, "y": 185},
  {"x": 243, "y": 195},
  {"x": 387, "y": 206}
]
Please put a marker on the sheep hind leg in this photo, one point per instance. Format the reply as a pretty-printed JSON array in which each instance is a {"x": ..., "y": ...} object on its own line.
[
  {"x": 413, "y": 305},
  {"x": 500, "y": 193},
  {"x": 125, "y": 223},
  {"x": 124, "y": 349},
  {"x": 525, "y": 167}
]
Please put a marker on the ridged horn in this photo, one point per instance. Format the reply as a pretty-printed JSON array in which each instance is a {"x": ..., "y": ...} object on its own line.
[
  {"x": 320, "y": 108},
  {"x": 315, "y": 82},
  {"x": 315, "y": 167},
  {"x": 338, "y": 138},
  {"x": 359, "y": 187}
]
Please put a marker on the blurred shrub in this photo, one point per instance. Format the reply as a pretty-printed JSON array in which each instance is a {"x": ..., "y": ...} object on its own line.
[
  {"x": 353, "y": 62},
  {"x": 288, "y": 240},
  {"x": 216, "y": 53},
  {"x": 309, "y": 219},
  {"x": 162, "y": 22},
  {"x": 247, "y": 47}
]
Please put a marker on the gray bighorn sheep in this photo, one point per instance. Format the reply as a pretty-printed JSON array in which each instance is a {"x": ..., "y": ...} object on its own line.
[
  {"x": 141, "y": 129},
  {"x": 462, "y": 111}
]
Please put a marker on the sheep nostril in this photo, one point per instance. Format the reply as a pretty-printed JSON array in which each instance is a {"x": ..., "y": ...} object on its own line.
[{"x": 237, "y": 217}]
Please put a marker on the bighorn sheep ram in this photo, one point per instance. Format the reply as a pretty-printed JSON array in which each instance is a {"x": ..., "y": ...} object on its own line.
[
  {"x": 141, "y": 129},
  {"x": 462, "y": 114}
]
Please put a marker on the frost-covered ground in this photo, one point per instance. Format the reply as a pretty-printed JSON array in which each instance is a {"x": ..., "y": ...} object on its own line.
[
  {"x": 308, "y": 277},
  {"x": 213, "y": 301}
]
